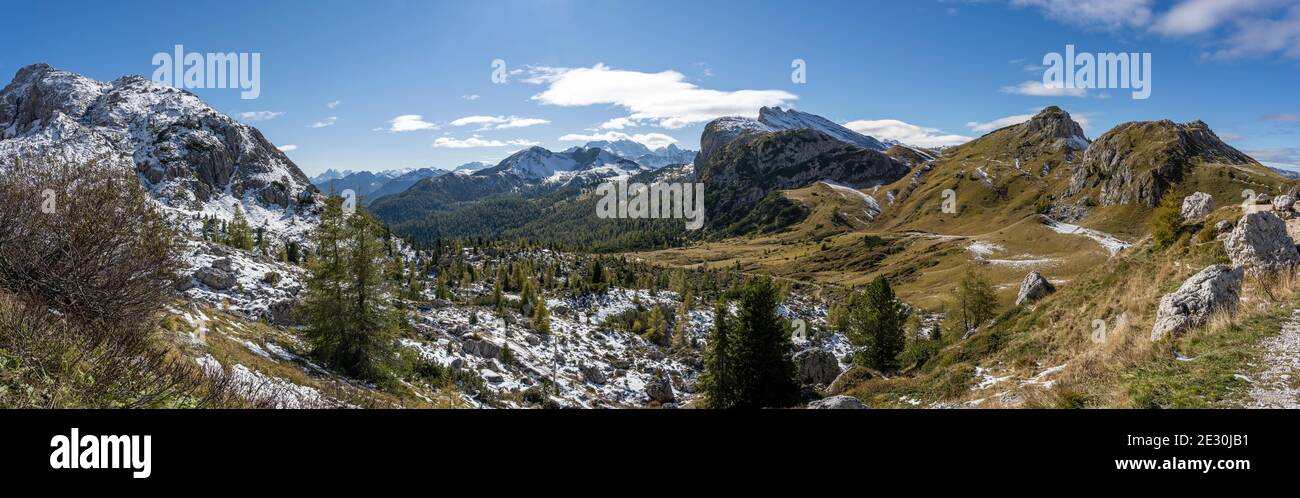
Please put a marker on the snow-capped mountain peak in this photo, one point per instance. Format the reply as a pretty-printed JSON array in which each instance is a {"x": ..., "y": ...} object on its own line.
[
  {"x": 778, "y": 119},
  {"x": 185, "y": 152}
]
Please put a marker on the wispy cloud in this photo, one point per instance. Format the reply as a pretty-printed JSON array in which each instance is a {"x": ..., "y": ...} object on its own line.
[
  {"x": 1238, "y": 28},
  {"x": 651, "y": 140},
  {"x": 1283, "y": 156},
  {"x": 259, "y": 115},
  {"x": 478, "y": 142},
  {"x": 1109, "y": 14},
  {"x": 333, "y": 104},
  {"x": 1281, "y": 118},
  {"x": 327, "y": 122},
  {"x": 409, "y": 122},
  {"x": 985, "y": 127},
  {"x": 470, "y": 97},
  {"x": 498, "y": 122},
  {"x": 1038, "y": 89},
  {"x": 1083, "y": 118},
  {"x": 288, "y": 148},
  {"x": 664, "y": 98},
  {"x": 893, "y": 129}
]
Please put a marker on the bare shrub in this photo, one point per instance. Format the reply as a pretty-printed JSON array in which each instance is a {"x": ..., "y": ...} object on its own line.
[{"x": 87, "y": 242}]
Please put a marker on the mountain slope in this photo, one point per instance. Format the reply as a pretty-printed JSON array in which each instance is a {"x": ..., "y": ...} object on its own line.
[{"x": 185, "y": 152}]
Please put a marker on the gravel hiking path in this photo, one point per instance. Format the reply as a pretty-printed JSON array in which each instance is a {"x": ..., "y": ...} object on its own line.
[{"x": 1276, "y": 386}]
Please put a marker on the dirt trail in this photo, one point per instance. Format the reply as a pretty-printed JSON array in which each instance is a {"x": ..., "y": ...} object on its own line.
[{"x": 1277, "y": 387}]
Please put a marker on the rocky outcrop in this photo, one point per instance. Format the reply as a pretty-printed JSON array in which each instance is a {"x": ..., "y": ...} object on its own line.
[
  {"x": 738, "y": 173},
  {"x": 1222, "y": 226},
  {"x": 1197, "y": 206},
  {"x": 816, "y": 366},
  {"x": 285, "y": 313},
  {"x": 1033, "y": 288},
  {"x": 482, "y": 348},
  {"x": 660, "y": 389},
  {"x": 1136, "y": 163},
  {"x": 1216, "y": 288},
  {"x": 837, "y": 403},
  {"x": 215, "y": 278},
  {"x": 184, "y": 151},
  {"x": 1260, "y": 243},
  {"x": 592, "y": 374}
]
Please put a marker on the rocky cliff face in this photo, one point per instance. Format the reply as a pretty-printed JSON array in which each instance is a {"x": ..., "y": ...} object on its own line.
[
  {"x": 1135, "y": 163},
  {"x": 741, "y": 162},
  {"x": 185, "y": 152}
]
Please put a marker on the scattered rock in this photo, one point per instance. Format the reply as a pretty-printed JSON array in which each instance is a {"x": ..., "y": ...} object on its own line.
[
  {"x": 1034, "y": 287},
  {"x": 1260, "y": 243},
  {"x": 482, "y": 348},
  {"x": 1215, "y": 288},
  {"x": 837, "y": 403},
  {"x": 285, "y": 313},
  {"x": 1283, "y": 203},
  {"x": 592, "y": 374},
  {"x": 491, "y": 376},
  {"x": 660, "y": 389},
  {"x": 215, "y": 278},
  {"x": 532, "y": 340},
  {"x": 1263, "y": 199},
  {"x": 1197, "y": 206},
  {"x": 816, "y": 366},
  {"x": 1222, "y": 226},
  {"x": 223, "y": 264},
  {"x": 184, "y": 283}
]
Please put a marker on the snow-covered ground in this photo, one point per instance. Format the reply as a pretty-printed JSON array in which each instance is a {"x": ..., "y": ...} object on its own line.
[{"x": 1112, "y": 243}]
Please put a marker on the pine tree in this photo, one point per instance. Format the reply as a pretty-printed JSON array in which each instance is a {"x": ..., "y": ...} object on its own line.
[
  {"x": 350, "y": 322},
  {"x": 764, "y": 370},
  {"x": 875, "y": 326},
  {"x": 681, "y": 325},
  {"x": 657, "y": 327},
  {"x": 717, "y": 383},
  {"x": 976, "y": 301},
  {"x": 238, "y": 233},
  {"x": 542, "y": 318}
]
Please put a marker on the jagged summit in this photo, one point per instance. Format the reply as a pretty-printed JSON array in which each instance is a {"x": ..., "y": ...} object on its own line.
[
  {"x": 1054, "y": 123},
  {"x": 777, "y": 118},
  {"x": 184, "y": 151}
]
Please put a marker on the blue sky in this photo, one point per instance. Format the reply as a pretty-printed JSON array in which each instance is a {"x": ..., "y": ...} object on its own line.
[{"x": 336, "y": 76}]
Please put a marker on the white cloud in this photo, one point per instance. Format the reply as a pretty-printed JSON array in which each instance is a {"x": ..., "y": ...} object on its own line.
[
  {"x": 1198, "y": 16},
  {"x": 498, "y": 122},
  {"x": 333, "y": 104},
  {"x": 288, "y": 148},
  {"x": 1284, "y": 156},
  {"x": 651, "y": 140},
  {"x": 1241, "y": 28},
  {"x": 618, "y": 124},
  {"x": 986, "y": 127},
  {"x": 324, "y": 123},
  {"x": 477, "y": 142},
  {"x": 665, "y": 98},
  {"x": 259, "y": 115},
  {"x": 1261, "y": 37},
  {"x": 470, "y": 97},
  {"x": 1281, "y": 118},
  {"x": 893, "y": 129},
  {"x": 1038, "y": 89},
  {"x": 409, "y": 122},
  {"x": 1107, "y": 14}
]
